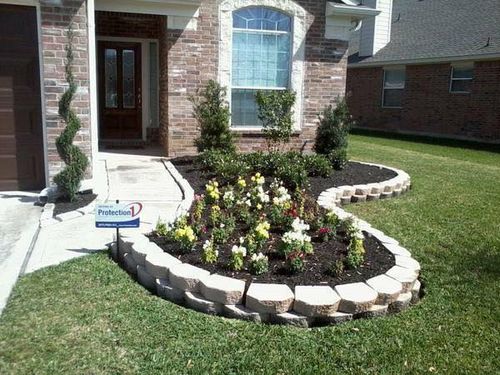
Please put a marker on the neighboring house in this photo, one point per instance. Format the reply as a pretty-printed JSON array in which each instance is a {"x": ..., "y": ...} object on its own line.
[
  {"x": 138, "y": 61},
  {"x": 428, "y": 67}
]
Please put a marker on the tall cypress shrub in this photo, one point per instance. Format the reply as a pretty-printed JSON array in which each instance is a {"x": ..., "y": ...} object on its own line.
[{"x": 69, "y": 179}]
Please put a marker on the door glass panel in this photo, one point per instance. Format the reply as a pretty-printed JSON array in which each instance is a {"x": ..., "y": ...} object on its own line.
[
  {"x": 128, "y": 78},
  {"x": 111, "y": 82}
]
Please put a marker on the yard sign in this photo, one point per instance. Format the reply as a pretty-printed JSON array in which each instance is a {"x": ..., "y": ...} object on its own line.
[{"x": 118, "y": 215}]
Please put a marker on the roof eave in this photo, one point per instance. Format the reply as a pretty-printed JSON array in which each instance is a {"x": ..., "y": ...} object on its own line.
[{"x": 357, "y": 12}]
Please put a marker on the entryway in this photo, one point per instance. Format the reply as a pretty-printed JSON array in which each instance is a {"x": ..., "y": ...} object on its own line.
[{"x": 21, "y": 132}]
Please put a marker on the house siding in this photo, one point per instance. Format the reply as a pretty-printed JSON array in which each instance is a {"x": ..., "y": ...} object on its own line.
[
  {"x": 55, "y": 21},
  {"x": 428, "y": 106}
]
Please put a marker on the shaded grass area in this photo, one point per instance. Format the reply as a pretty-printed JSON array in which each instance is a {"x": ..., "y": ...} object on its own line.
[{"x": 88, "y": 316}]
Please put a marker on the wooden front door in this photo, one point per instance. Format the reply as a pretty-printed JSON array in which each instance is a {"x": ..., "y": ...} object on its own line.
[
  {"x": 120, "y": 103},
  {"x": 21, "y": 134}
]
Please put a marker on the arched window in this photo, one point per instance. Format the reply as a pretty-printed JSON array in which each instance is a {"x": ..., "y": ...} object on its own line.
[{"x": 260, "y": 59}]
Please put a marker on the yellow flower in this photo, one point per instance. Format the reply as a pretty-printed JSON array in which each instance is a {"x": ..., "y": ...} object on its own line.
[
  {"x": 259, "y": 206},
  {"x": 242, "y": 182}
]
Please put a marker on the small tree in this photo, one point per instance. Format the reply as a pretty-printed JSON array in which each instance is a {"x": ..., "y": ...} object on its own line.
[
  {"x": 332, "y": 133},
  {"x": 69, "y": 179},
  {"x": 275, "y": 113},
  {"x": 211, "y": 111}
]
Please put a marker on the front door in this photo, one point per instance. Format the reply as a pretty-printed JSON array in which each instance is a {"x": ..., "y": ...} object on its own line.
[{"x": 120, "y": 103}]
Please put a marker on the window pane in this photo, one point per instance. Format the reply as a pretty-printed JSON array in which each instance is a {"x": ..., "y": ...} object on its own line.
[
  {"x": 462, "y": 72},
  {"x": 244, "y": 108},
  {"x": 394, "y": 78},
  {"x": 110, "y": 77},
  {"x": 128, "y": 79},
  {"x": 393, "y": 98},
  {"x": 259, "y": 18},
  {"x": 462, "y": 85}
]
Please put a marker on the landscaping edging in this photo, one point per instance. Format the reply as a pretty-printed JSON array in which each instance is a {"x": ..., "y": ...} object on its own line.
[
  {"x": 47, "y": 218},
  {"x": 305, "y": 306}
]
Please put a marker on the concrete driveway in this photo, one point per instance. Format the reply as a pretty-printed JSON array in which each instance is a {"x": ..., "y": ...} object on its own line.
[{"x": 19, "y": 220}]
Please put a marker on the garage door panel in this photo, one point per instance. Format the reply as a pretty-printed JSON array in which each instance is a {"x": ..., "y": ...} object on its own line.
[{"x": 21, "y": 139}]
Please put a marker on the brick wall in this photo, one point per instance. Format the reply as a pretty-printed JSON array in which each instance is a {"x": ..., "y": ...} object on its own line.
[
  {"x": 193, "y": 60},
  {"x": 128, "y": 25},
  {"x": 428, "y": 106},
  {"x": 55, "y": 20}
]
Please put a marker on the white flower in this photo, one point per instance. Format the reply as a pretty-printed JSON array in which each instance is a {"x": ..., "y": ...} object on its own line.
[
  {"x": 222, "y": 225},
  {"x": 257, "y": 257},
  {"x": 242, "y": 240},
  {"x": 239, "y": 250},
  {"x": 228, "y": 196},
  {"x": 298, "y": 225},
  {"x": 207, "y": 245},
  {"x": 248, "y": 202}
]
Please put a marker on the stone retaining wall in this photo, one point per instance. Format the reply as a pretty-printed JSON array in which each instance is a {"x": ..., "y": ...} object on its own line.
[{"x": 305, "y": 306}]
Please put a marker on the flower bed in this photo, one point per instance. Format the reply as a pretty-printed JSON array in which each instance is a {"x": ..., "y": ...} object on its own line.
[
  {"x": 258, "y": 231},
  {"x": 177, "y": 279}
]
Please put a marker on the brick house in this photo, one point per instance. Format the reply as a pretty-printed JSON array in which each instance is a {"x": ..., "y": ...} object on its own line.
[
  {"x": 428, "y": 67},
  {"x": 138, "y": 61}
]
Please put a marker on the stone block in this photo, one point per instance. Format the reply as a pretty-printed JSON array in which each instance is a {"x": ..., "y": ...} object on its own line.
[
  {"x": 407, "y": 262},
  {"x": 335, "y": 318},
  {"x": 225, "y": 290},
  {"x": 356, "y": 297},
  {"x": 362, "y": 189},
  {"x": 130, "y": 264},
  {"x": 358, "y": 198},
  {"x": 345, "y": 200},
  {"x": 415, "y": 292},
  {"x": 375, "y": 189},
  {"x": 388, "y": 188},
  {"x": 48, "y": 222},
  {"x": 186, "y": 277},
  {"x": 145, "y": 279},
  {"x": 141, "y": 249},
  {"x": 387, "y": 288},
  {"x": 374, "y": 312},
  {"x": 405, "y": 276},
  {"x": 196, "y": 302},
  {"x": 157, "y": 264},
  {"x": 291, "y": 318},
  {"x": 396, "y": 192},
  {"x": 402, "y": 303},
  {"x": 166, "y": 291},
  {"x": 241, "y": 312},
  {"x": 315, "y": 301},
  {"x": 386, "y": 195},
  {"x": 395, "y": 249},
  {"x": 373, "y": 197},
  {"x": 269, "y": 298},
  {"x": 347, "y": 190},
  {"x": 68, "y": 216}
]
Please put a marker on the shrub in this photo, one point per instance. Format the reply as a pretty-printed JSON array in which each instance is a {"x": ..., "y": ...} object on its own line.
[
  {"x": 69, "y": 179},
  {"x": 317, "y": 165},
  {"x": 355, "y": 253},
  {"x": 332, "y": 133},
  {"x": 275, "y": 113},
  {"x": 212, "y": 113},
  {"x": 294, "y": 176},
  {"x": 337, "y": 268}
]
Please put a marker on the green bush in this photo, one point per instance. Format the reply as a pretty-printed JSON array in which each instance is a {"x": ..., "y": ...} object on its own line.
[
  {"x": 69, "y": 179},
  {"x": 275, "y": 113},
  {"x": 332, "y": 133},
  {"x": 212, "y": 113},
  {"x": 318, "y": 165}
]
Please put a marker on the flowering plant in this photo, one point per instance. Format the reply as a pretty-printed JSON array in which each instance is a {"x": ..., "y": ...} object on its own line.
[
  {"x": 296, "y": 239},
  {"x": 210, "y": 253},
  {"x": 213, "y": 192},
  {"x": 185, "y": 237},
  {"x": 261, "y": 231},
  {"x": 238, "y": 254},
  {"x": 259, "y": 264},
  {"x": 258, "y": 179},
  {"x": 295, "y": 261}
]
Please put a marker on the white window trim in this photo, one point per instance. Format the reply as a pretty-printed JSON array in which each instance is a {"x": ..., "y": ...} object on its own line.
[
  {"x": 462, "y": 65},
  {"x": 403, "y": 68},
  {"x": 298, "y": 34}
]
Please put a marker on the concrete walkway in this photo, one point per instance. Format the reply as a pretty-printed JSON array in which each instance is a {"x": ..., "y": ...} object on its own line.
[
  {"x": 19, "y": 218},
  {"x": 127, "y": 177}
]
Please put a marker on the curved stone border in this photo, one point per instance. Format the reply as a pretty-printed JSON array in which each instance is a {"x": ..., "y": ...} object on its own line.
[
  {"x": 346, "y": 194},
  {"x": 306, "y": 306}
]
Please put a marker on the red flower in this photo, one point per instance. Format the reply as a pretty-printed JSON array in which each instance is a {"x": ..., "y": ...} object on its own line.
[{"x": 324, "y": 230}]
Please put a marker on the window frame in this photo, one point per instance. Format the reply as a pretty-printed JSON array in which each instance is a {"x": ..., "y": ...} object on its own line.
[
  {"x": 453, "y": 79},
  {"x": 258, "y": 127},
  {"x": 385, "y": 69}
]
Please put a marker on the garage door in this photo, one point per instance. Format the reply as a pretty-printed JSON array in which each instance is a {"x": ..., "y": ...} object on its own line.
[{"x": 21, "y": 140}]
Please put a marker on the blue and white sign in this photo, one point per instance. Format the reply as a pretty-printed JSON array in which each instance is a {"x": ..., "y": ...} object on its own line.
[{"x": 118, "y": 215}]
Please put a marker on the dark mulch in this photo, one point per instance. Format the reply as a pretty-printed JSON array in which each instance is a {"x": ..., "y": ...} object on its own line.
[
  {"x": 64, "y": 205},
  {"x": 353, "y": 174},
  {"x": 378, "y": 260}
]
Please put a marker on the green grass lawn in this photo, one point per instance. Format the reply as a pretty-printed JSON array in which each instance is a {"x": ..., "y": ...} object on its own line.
[{"x": 87, "y": 316}]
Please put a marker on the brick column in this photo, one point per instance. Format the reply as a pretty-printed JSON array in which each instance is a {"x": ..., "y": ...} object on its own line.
[{"x": 55, "y": 20}]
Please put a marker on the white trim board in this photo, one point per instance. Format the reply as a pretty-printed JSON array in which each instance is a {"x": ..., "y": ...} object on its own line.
[{"x": 186, "y": 8}]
